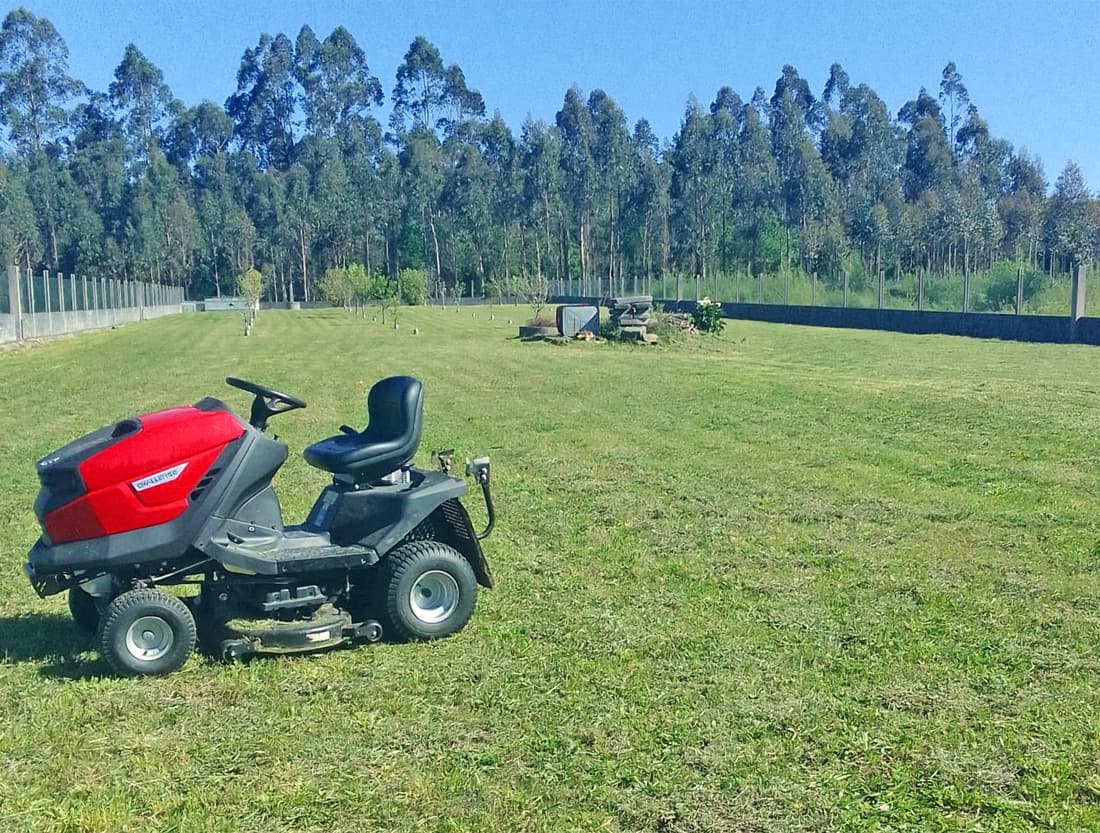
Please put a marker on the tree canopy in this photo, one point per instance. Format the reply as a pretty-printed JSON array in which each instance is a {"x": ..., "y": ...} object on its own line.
[{"x": 294, "y": 176}]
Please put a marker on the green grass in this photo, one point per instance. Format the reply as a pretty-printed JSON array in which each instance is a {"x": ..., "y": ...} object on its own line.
[{"x": 788, "y": 579}]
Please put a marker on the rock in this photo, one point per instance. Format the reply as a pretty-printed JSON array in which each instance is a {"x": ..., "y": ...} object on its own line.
[
  {"x": 396, "y": 326},
  {"x": 416, "y": 331}
]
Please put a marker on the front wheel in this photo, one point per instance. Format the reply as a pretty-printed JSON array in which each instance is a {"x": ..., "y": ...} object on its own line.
[
  {"x": 146, "y": 632},
  {"x": 430, "y": 591}
]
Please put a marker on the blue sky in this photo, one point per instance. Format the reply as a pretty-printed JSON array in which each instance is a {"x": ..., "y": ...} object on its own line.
[{"x": 1032, "y": 68}]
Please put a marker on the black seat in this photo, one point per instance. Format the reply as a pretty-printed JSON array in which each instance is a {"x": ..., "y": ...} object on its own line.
[{"x": 395, "y": 411}]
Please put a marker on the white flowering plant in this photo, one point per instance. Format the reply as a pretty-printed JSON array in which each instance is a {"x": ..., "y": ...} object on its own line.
[{"x": 708, "y": 316}]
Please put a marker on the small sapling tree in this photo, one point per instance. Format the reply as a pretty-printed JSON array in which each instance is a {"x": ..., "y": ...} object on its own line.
[
  {"x": 536, "y": 291},
  {"x": 250, "y": 286}
]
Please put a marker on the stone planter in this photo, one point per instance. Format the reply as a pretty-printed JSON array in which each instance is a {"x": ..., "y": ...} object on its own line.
[{"x": 529, "y": 331}]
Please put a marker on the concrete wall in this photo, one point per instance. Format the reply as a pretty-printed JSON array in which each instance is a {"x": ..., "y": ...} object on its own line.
[
  {"x": 51, "y": 304},
  {"x": 42, "y": 324},
  {"x": 1040, "y": 328}
]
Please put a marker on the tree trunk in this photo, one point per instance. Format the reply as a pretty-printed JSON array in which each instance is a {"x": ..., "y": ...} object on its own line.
[
  {"x": 435, "y": 242},
  {"x": 302, "y": 250}
]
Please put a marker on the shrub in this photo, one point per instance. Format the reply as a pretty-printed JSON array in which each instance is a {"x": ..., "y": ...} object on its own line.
[
  {"x": 414, "y": 287},
  {"x": 1000, "y": 292},
  {"x": 708, "y": 316},
  {"x": 662, "y": 327},
  {"x": 335, "y": 287}
]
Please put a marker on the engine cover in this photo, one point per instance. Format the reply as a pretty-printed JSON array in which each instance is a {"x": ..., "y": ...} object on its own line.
[{"x": 137, "y": 473}]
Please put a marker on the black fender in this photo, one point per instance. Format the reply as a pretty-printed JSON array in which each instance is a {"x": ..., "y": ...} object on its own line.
[{"x": 451, "y": 525}]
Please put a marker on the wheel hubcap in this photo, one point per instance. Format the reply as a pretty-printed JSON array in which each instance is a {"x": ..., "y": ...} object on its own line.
[
  {"x": 149, "y": 638},
  {"x": 434, "y": 597}
]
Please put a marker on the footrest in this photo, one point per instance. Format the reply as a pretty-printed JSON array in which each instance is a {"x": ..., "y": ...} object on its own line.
[{"x": 325, "y": 558}]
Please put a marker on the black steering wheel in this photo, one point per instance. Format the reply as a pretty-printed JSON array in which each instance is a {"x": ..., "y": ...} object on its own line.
[{"x": 267, "y": 403}]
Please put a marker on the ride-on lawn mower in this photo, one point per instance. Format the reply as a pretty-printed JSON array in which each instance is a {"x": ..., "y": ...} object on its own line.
[{"x": 184, "y": 496}]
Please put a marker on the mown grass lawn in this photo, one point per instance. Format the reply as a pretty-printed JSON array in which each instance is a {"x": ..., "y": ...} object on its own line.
[{"x": 788, "y": 579}]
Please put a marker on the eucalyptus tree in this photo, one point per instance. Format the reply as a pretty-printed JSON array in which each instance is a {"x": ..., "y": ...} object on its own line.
[
  {"x": 97, "y": 164},
  {"x": 467, "y": 201},
  {"x": 19, "y": 239},
  {"x": 756, "y": 196},
  {"x": 265, "y": 104},
  {"x": 420, "y": 94},
  {"x": 164, "y": 233},
  {"x": 204, "y": 130},
  {"x": 497, "y": 146},
  {"x": 646, "y": 206},
  {"x": 929, "y": 162},
  {"x": 725, "y": 115},
  {"x": 1021, "y": 206},
  {"x": 955, "y": 97},
  {"x": 541, "y": 192},
  {"x": 142, "y": 100},
  {"x": 793, "y": 111},
  {"x": 36, "y": 89},
  {"x": 691, "y": 193},
  {"x": 36, "y": 94},
  {"x": 338, "y": 89},
  {"x": 576, "y": 137},
  {"x": 1069, "y": 226},
  {"x": 612, "y": 155}
]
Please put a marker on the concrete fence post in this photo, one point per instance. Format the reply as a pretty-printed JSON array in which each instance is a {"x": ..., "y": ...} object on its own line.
[
  {"x": 1077, "y": 298},
  {"x": 1019, "y": 290},
  {"x": 15, "y": 302},
  {"x": 813, "y": 289},
  {"x": 920, "y": 290},
  {"x": 84, "y": 290},
  {"x": 30, "y": 301},
  {"x": 845, "y": 290},
  {"x": 966, "y": 289},
  {"x": 786, "y": 287},
  {"x": 881, "y": 287}
]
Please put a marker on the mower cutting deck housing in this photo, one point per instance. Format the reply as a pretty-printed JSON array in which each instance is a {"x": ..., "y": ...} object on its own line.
[{"x": 184, "y": 496}]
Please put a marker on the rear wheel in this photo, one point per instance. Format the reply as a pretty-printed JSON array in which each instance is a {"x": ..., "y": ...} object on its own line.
[
  {"x": 146, "y": 632},
  {"x": 430, "y": 591},
  {"x": 82, "y": 606}
]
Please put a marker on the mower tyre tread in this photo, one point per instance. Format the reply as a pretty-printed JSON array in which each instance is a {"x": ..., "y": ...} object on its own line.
[
  {"x": 402, "y": 567},
  {"x": 124, "y": 610}
]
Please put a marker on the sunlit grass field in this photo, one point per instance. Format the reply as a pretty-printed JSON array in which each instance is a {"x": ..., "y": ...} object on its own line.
[{"x": 785, "y": 579}]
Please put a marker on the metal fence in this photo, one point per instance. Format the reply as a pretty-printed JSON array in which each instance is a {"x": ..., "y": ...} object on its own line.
[{"x": 33, "y": 305}]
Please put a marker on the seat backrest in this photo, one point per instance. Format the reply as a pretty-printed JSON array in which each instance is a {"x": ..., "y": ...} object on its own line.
[{"x": 395, "y": 413}]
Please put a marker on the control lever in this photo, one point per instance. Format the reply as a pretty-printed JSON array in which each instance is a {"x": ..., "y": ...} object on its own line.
[{"x": 479, "y": 470}]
